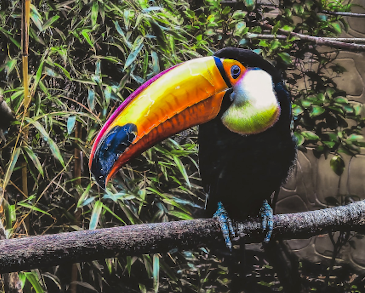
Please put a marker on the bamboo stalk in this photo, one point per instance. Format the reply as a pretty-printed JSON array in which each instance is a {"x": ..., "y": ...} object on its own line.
[
  {"x": 27, "y": 98},
  {"x": 77, "y": 175}
]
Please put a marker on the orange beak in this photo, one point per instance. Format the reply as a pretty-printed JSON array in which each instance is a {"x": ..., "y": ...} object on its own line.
[{"x": 180, "y": 97}]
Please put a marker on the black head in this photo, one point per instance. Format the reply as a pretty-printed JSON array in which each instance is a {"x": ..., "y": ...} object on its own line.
[{"x": 249, "y": 59}]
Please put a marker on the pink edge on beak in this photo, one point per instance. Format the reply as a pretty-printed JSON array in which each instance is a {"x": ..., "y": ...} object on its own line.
[{"x": 121, "y": 108}]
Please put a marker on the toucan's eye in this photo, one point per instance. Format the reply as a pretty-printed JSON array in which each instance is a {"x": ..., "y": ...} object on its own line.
[{"x": 235, "y": 71}]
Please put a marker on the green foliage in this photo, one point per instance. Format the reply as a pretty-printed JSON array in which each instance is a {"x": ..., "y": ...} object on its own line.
[{"x": 86, "y": 56}]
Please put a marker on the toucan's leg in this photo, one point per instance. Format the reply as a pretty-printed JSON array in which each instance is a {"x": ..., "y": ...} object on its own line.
[
  {"x": 267, "y": 220},
  {"x": 226, "y": 224}
]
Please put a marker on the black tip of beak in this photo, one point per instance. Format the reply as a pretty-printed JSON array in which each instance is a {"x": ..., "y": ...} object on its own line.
[{"x": 109, "y": 150}]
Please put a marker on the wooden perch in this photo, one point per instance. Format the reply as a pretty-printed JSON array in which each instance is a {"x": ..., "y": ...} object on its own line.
[
  {"x": 43, "y": 251},
  {"x": 319, "y": 40}
]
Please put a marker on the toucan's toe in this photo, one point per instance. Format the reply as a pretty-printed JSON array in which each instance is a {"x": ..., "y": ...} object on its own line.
[
  {"x": 266, "y": 213},
  {"x": 226, "y": 225}
]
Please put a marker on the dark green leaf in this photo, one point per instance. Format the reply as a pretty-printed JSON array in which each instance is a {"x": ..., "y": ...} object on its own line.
[
  {"x": 337, "y": 164},
  {"x": 341, "y": 100},
  {"x": 337, "y": 27},
  {"x": 309, "y": 135},
  {"x": 300, "y": 139},
  {"x": 239, "y": 14},
  {"x": 316, "y": 111},
  {"x": 285, "y": 57}
]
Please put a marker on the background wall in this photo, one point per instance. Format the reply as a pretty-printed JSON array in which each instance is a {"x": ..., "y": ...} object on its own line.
[{"x": 313, "y": 180}]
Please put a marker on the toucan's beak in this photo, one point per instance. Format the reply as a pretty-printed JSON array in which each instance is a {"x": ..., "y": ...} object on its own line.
[{"x": 176, "y": 99}]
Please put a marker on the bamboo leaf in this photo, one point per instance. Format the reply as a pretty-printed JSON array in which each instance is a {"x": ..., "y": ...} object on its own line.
[
  {"x": 65, "y": 72},
  {"x": 11, "y": 167},
  {"x": 155, "y": 64},
  {"x": 94, "y": 12},
  {"x": 10, "y": 214},
  {"x": 36, "y": 17},
  {"x": 34, "y": 159},
  {"x": 85, "y": 34},
  {"x": 126, "y": 18},
  {"x": 182, "y": 170},
  {"x": 137, "y": 47},
  {"x": 114, "y": 214},
  {"x": 95, "y": 215},
  {"x": 120, "y": 31},
  {"x": 91, "y": 99},
  {"x": 10, "y": 65},
  {"x": 52, "y": 145},
  {"x": 156, "y": 272},
  {"x": 49, "y": 22},
  {"x": 32, "y": 277},
  {"x": 71, "y": 121},
  {"x": 8, "y": 34},
  {"x": 81, "y": 201},
  {"x": 33, "y": 208},
  {"x": 180, "y": 215}
]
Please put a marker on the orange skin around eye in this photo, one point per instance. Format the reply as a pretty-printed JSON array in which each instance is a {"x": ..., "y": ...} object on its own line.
[{"x": 227, "y": 65}]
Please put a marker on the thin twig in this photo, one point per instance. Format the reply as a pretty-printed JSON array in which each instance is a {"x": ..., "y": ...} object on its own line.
[
  {"x": 284, "y": 37},
  {"x": 319, "y": 40},
  {"x": 352, "y": 14}
]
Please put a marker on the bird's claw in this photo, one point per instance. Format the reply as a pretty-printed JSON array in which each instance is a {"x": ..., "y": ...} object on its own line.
[
  {"x": 226, "y": 225},
  {"x": 266, "y": 213}
]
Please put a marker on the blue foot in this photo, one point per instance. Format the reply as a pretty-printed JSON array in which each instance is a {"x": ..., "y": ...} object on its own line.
[
  {"x": 226, "y": 225},
  {"x": 267, "y": 220}
]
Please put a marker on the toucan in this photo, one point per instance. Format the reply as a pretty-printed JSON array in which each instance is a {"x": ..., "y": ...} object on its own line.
[
  {"x": 6, "y": 117},
  {"x": 246, "y": 145}
]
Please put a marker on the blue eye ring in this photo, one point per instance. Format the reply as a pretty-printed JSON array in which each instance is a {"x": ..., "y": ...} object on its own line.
[{"x": 235, "y": 71}]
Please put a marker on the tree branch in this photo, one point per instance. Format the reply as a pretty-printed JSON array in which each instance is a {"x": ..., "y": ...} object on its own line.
[
  {"x": 42, "y": 251},
  {"x": 352, "y": 14},
  {"x": 284, "y": 37},
  {"x": 320, "y": 40},
  {"x": 339, "y": 13}
]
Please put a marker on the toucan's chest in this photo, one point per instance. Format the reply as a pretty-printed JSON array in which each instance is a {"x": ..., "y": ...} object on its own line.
[{"x": 243, "y": 170}]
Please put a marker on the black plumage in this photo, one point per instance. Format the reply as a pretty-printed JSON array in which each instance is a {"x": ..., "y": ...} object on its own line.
[
  {"x": 6, "y": 117},
  {"x": 241, "y": 171}
]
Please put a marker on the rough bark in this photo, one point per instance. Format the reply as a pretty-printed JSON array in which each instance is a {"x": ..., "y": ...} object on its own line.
[
  {"x": 41, "y": 251},
  {"x": 10, "y": 281}
]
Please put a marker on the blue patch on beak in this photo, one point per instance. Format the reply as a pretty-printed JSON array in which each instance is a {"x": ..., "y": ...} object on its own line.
[{"x": 109, "y": 150}]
